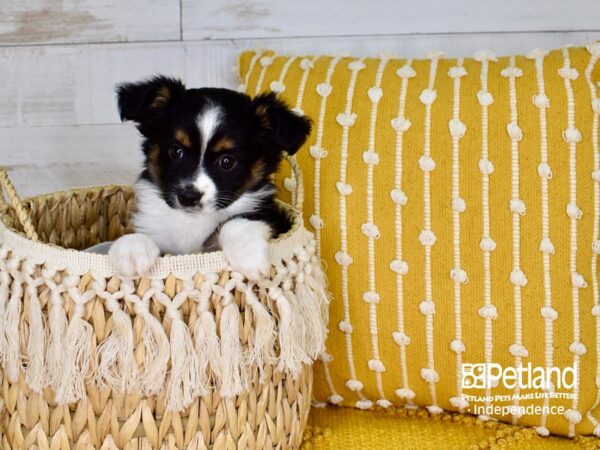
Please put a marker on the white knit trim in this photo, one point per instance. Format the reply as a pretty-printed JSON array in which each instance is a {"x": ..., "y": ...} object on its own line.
[
  {"x": 457, "y": 130},
  {"x": 568, "y": 74},
  {"x": 427, "y": 237},
  {"x": 346, "y": 119},
  {"x": 264, "y": 61},
  {"x": 594, "y": 50},
  {"x": 400, "y": 124},
  {"x": 318, "y": 152},
  {"x": 549, "y": 314},
  {"x": 488, "y": 311},
  {"x": 306, "y": 65},
  {"x": 371, "y": 159},
  {"x": 278, "y": 86},
  {"x": 242, "y": 87},
  {"x": 517, "y": 208}
]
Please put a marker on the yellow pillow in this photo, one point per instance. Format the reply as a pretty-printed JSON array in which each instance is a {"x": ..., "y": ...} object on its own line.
[{"x": 456, "y": 203}]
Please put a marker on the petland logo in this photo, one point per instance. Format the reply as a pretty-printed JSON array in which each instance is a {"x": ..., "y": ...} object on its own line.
[{"x": 490, "y": 375}]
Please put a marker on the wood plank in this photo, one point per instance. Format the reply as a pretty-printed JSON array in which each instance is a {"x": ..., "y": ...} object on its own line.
[
  {"x": 47, "y": 159},
  {"x": 76, "y": 21},
  {"x": 284, "y": 18},
  {"x": 74, "y": 84}
]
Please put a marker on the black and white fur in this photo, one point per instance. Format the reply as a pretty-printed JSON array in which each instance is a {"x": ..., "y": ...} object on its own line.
[{"x": 209, "y": 158}]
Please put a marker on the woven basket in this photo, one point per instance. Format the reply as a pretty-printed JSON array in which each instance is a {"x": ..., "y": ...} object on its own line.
[{"x": 191, "y": 356}]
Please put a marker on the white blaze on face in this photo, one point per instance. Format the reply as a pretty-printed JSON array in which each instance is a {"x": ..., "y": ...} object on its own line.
[
  {"x": 206, "y": 185},
  {"x": 208, "y": 122}
]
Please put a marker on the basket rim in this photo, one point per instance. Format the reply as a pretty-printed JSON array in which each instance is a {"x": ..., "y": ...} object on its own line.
[{"x": 78, "y": 262}]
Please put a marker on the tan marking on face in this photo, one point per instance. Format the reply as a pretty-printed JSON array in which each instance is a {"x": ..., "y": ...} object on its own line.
[
  {"x": 224, "y": 143},
  {"x": 153, "y": 163},
  {"x": 163, "y": 95},
  {"x": 183, "y": 137},
  {"x": 257, "y": 172}
]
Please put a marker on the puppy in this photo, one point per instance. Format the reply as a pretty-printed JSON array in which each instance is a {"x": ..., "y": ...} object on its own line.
[{"x": 207, "y": 181}]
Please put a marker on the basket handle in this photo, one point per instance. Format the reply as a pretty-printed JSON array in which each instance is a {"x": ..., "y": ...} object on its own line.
[
  {"x": 15, "y": 202},
  {"x": 298, "y": 189}
]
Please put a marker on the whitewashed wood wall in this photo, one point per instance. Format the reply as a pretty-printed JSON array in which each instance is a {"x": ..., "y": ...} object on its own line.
[{"x": 60, "y": 60}]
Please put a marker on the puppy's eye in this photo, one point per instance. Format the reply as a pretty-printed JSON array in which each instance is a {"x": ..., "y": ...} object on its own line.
[
  {"x": 176, "y": 152},
  {"x": 227, "y": 162}
]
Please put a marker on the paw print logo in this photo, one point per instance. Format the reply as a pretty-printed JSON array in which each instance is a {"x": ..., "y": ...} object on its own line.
[{"x": 473, "y": 376}]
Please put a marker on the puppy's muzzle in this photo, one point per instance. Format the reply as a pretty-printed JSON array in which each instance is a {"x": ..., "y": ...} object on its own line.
[{"x": 189, "y": 197}]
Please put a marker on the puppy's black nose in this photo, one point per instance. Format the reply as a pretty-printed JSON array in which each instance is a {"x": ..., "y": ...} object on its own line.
[{"x": 189, "y": 197}]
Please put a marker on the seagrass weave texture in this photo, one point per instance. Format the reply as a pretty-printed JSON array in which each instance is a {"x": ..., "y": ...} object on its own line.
[{"x": 191, "y": 356}]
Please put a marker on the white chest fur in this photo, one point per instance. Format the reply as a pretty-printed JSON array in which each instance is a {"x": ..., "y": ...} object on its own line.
[
  {"x": 174, "y": 231},
  {"x": 180, "y": 232}
]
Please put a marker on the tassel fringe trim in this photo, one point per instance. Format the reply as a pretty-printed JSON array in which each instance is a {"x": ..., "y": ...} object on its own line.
[{"x": 184, "y": 337}]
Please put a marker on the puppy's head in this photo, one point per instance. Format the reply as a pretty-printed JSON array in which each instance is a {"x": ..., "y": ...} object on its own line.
[{"x": 206, "y": 148}]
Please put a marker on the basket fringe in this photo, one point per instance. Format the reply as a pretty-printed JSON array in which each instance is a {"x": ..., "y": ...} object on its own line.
[
  {"x": 155, "y": 343},
  {"x": 184, "y": 385},
  {"x": 235, "y": 374},
  {"x": 57, "y": 326},
  {"x": 77, "y": 352},
  {"x": 185, "y": 362},
  {"x": 261, "y": 352},
  {"x": 315, "y": 278},
  {"x": 206, "y": 341},
  {"x": 315, "y": 331},
  {"x": 14, "y": 364},
  {"x": 298, "y": 321},
  {"x": 291, "y": 355},
  {"x": 71, "y": 387},
  {"x": 116, "y": 360},
  {"x": 156, "y": 358},
  {"x": 35, "y": 372}
]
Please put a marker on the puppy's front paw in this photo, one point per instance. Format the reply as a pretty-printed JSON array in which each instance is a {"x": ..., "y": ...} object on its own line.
[
  {"x": 250, "y": 259},
  {"x": 246, "y": 248},
  {"x": 133, "y": 255}
]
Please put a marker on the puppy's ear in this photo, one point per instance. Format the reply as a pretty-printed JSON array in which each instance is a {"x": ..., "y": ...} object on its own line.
[
  {"x": 286, "y": 129},
  {"x": 137, "y": 101}
]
